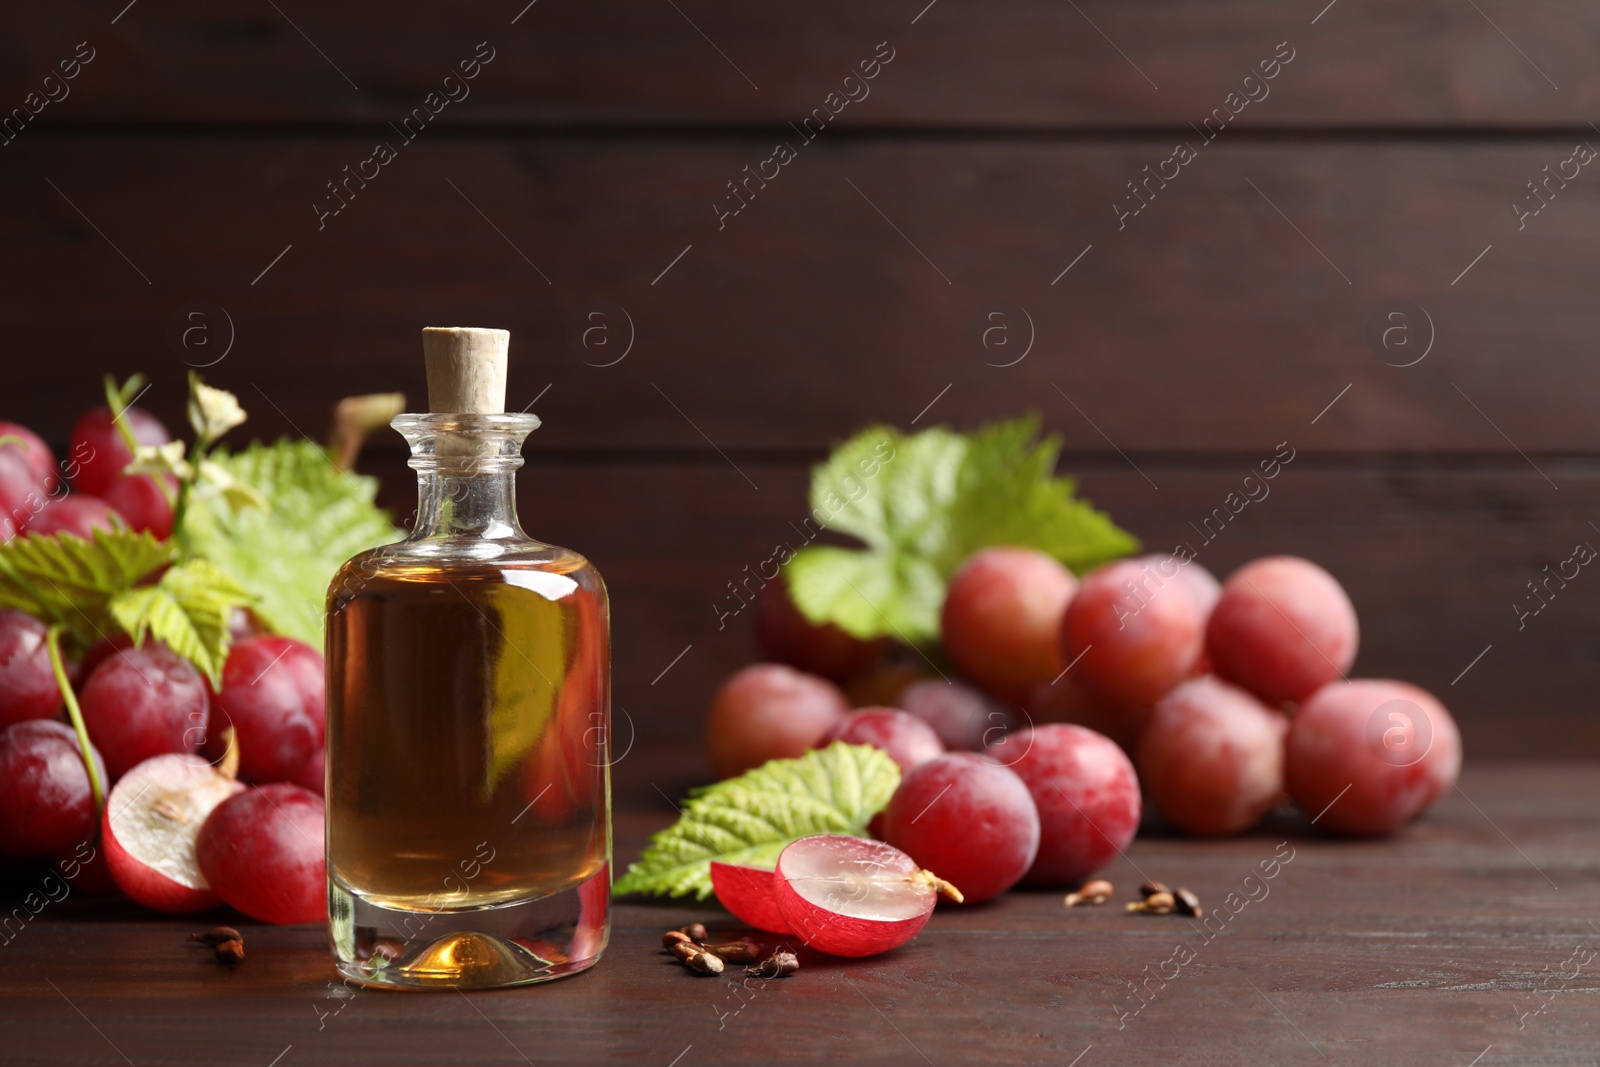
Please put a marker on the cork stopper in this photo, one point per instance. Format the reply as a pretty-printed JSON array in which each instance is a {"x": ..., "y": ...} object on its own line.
[{"x": 466, "y": 369}]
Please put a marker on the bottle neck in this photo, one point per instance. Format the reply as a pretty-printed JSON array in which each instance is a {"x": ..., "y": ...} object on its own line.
[{"x": 459, "y": 504}]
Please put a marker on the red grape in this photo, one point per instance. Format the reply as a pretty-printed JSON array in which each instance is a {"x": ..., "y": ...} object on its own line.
[
  {"x": 148, "y": 830},
  {"x": 28, "y": 688},
  {"x": 785, "y": 635},
  {"x": 261, "y": 851},
  {"x": 273, "y": 696},
  {"x": 907, "y": 739},
  {"x": 78, "y": 514},
  {"x": 142, "y": 503},
  {"x": 968, "y": 818},
  {"x": 86, "y": 868},
  {"x": 1067, "y": 701},
  {"x": 1135, "y": 629},
  {"x": 882, "y": 686},
  {"x": 1001, "y": 618},
  {"x": 144, "y": 702},
  {"x": 747, "y": 892},
  {"x": 1367, "y": 756},
  {"x": 99, "y": 450},
  {"x": 101, "y": 651},
  {"x": 769, "y": 711},
  {"x": 1211, "y": 758},
  {"x": 21, "y": 498},
  {"x": 851, "y": 896},
  {"x": 1283, "y": 628},
  {"x": 1087, "y": 795},
  {"x": 965, "y": 719},
  {"x": 46, "y": 803},
  {"x": 32, "y": 451},
  {"x": 314, "y": 774}
]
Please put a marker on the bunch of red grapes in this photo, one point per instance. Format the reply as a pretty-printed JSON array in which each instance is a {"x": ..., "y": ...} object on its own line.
[
  {"x": 177, "y": 831},
  {"x": 1229, "y": 698}
]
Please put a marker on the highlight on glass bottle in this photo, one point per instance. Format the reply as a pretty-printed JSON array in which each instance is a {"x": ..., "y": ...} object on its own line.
[{"x": 469, "y": 822}]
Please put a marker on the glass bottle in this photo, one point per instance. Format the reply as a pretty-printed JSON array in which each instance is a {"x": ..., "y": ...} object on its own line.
[{"x": 468, "y": 778}]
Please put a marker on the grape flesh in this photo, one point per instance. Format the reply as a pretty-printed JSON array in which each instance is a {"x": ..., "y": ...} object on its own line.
[
  {"x": 852, "y": 896},
  {"x": 785, "y": 635},
  {"x": 968, "y": 818},
  {"x": 1367, "y": 756},
  {"x": 149, "y": 827},
  {"x": 41, "y": 462},
  {"x": 1001, "y": 618},
  {"x": 769, "y": 711},
  {"x": 142, "y": 503},
  {"x": 965, "y": 719},
  {"x": 99, "y": 451},
  {"x": 274, "y": 697},
  {"x": 1087, "y": 795},
  {"x": 261, "y": 851},
  {"x": 46, "y": 803},
  {"x": 144, "y": 702},
  {"x": 28, "y": 687},
  {"x": 905, "y": 738},
  {"x": 1211, "y": 758},
  {"x": 78, "y": 514},
  {"x": 747, "y": 892},
  {"x": 1283, "y": 628},
  {"x": 1135, "y": 629}
]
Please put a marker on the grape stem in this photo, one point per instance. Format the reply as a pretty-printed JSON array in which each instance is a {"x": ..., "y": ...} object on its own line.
[
  {"x": 52, "y": 638},
  {"x": 944, "y": 888}
]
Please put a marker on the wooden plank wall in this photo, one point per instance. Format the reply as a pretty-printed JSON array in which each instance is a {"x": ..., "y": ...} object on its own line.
[{"x": 584, "y": 170}]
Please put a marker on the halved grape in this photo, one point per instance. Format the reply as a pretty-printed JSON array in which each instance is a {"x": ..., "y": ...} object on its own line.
[
  {"x": 149, "y": 827},
  {"x": 748, "y": 893},
  {"x": 851, "y": 896}
]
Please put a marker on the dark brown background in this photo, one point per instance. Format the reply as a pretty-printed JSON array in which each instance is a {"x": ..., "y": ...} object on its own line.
[{"x": 596, "y": 142}]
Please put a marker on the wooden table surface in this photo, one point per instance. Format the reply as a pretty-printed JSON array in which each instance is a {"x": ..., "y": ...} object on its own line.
[{"x": 1470, "y": 938}]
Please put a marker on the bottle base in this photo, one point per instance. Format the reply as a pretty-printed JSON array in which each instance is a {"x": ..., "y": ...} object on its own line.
[{"x": 513, "y": 944}]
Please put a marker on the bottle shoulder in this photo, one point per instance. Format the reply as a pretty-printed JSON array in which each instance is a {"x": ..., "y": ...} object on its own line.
[{"x": 511, "y": 562}]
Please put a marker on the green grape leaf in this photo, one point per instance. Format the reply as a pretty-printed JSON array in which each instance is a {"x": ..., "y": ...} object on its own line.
[
  {"x": 285, "y": 554},
  {"x": 749, "y": 819},
  {"x": 923, "y": 503},
  {"x": 188, "y": 610},
  {"x": 66, "y": 579}
]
